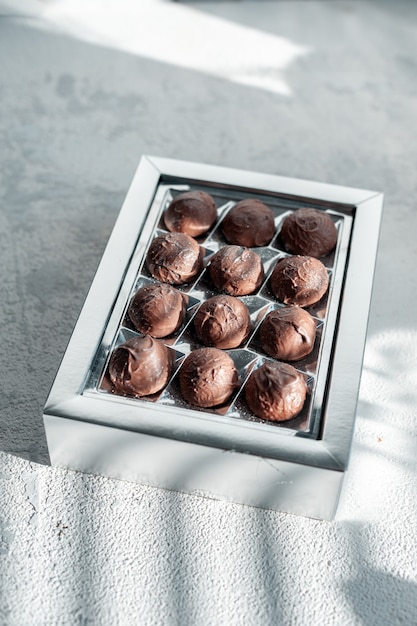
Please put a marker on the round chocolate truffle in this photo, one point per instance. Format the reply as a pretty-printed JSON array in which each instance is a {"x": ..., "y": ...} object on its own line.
[
  {"x": 140, "y": 367},
  {"x": 236, "y": 270},
  {"x": 288, "y": 333},
  {"x": 157, "y": 310},
  {"x": 276, "y": 391},
  {"x": 208, "y": 377},
  {"x": 174, "y": 258},
  {"x": 309, "y": 232},
  {"x": 192, "y": 213},
  {"x": 249, "y": 223},
  {"x": 300, "y": 280},
  {"x": 222, "y": 322}
]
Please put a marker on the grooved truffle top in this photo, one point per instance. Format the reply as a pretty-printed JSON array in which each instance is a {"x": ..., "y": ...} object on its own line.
[
  {"x": 249, "y": 223},
  {"x": 140, "y": 367},
  {"x": 174, "y": 258},
  {"x": 236, "y": 270},
  {"x": 222, "y": 322},
  {"x": 157, "y": 310},
  {"x": 192, "y": 213},
  {"x": 301, "y": 280},
  {"x": 208, "y": 377},
  {"x": 276, "y": 391},
  {"x": 309, "y": 232},
  {"x": 288, "y": 333}
]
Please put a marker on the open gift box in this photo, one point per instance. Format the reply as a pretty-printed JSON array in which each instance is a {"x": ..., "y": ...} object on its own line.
[{"x": 226, "y": 452}]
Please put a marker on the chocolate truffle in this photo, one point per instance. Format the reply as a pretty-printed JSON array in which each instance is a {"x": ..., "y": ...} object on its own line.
[
  {"x": 222, "y": 322},
  {"x": 140, "y": 367},
  {"x": 192, "y": 213},
  {"x": 309, "y": 232},
  {"x": 208, "y": 377},
  {"x": 249, "y": 223},
  {"x": 288, "y": 333},
  {"x": 300, "y": 280},
  {"x": 157, "y": 310},
  {"x": 174, "y": 258},
  {"x": 276, "y": 391},
  {"x": 236, "y": 270}
]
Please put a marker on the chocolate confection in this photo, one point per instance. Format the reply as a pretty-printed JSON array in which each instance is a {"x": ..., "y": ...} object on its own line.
[
  {"x": 300, "y": 280},
  {"x": 275, "y": 391},
  {"x": 222, "y": 322},
  {"x": 236, "y": 270},
  {"x": 208, "y": 377},
  {"x": 288, "y": 333},
  {"x": 249, "y": 223},
  {"x": 192, "y": 212},
  {"x": 157, "y": 310},
  {"x": 309, "y": 232},
  {"x": 140, "y": 367},
  {"x": 174, "y": 258}
]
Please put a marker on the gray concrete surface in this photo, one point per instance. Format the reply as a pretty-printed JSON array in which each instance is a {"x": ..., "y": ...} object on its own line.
[{"x": 333, "y": 98}]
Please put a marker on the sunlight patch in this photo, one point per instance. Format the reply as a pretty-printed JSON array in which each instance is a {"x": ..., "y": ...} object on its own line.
[{"x": 175, "y": 34}]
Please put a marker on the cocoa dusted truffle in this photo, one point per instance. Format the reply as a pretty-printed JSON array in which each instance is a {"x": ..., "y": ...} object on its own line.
[
  {"x": 222, "y": 322},
  {"x": 309, "y": 232},
  {"x": 208, "y": 377},
  {"x": 174, "y": 258},
  {"x": 192, "y": 213},
  {"x": 288, "y": 333},
  {"x": 140, "y": 367},
  {"x": 276, "y": 391},
  {"x": 236, "y": 270},
  {"x": 249, "y": 223},
  {"x": 300, "y": 280},
  {"x": 157, "y": 310}
]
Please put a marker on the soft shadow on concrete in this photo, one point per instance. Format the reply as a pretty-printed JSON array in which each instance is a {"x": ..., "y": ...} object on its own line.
[{"x": 376, "y": 597}]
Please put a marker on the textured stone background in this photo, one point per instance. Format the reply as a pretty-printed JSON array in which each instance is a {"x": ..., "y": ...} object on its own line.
[{"x": 81, "y": 99}]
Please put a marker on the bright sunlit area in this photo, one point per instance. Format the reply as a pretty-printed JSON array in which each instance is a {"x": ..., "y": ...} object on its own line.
[{"x": 173, "y": 33}]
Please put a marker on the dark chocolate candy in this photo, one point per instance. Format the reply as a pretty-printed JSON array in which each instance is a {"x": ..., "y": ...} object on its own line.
[
  {"x": 191, "y": 212},
  {"x": 236, "y": 270},
  {"x": 309, "y": 232},
  {"x": 140, "y": 367},
  {"x": 288, "y": 333},
  {"x": 301, "y": 280},
  {"x": 249, "y": 223},
  {"x": 222, "y": 322},
  {"x": 174, "y": 258},
  {"x": 208, "y": 377},
  {"x": 157, "y": 310},
  {"x": 276, "y": 391}
]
